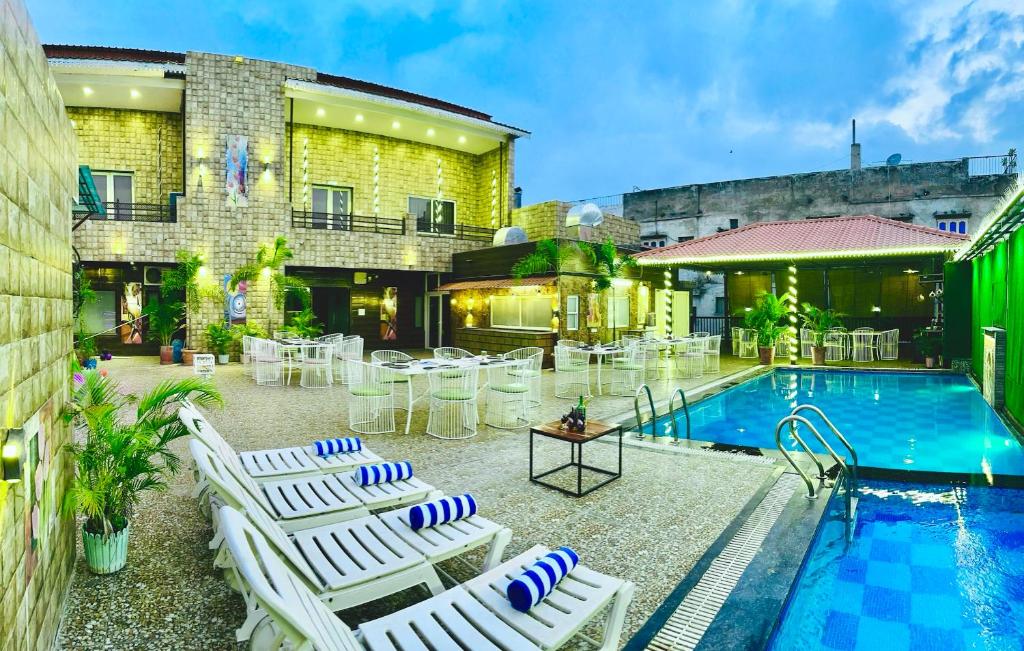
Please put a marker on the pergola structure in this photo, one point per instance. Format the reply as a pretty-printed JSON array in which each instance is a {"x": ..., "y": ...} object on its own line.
[{"x": 876, "y": 271}]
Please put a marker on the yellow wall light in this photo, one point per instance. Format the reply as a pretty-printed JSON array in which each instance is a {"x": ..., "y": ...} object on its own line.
[{"x": 11, "y": 455}]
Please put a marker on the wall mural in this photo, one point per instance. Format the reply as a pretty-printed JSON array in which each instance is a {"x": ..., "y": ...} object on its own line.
[
  {"x": 39, "y": 492},
  {"x": 234, "y": 301},
  {"x": 131, "y": 313},
  {"x": 389, "y": 314},
  {"x": 593, "y": 310},
  {"x": 236, "y": 163}
]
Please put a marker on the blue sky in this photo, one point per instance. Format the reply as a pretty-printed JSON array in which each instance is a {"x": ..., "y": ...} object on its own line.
[{"x": 638, "y": 94}]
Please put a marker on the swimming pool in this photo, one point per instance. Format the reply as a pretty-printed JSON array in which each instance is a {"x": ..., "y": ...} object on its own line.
[
  {"x": 930, "y": 567},
  {"x": 936, "y": 422}
]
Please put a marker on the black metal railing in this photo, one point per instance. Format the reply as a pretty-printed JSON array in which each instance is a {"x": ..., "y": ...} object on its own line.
[
  {"x": 137, "y": 212},
  {"x": 714, "y": 325},
  {"x": 459, "y": 231},
  {"x": 351, "y": 223}
]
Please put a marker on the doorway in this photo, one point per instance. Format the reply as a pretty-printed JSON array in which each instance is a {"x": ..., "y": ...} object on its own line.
[
  {"x": 331, "y": 307},
  {"x": 438, "y": 320}
]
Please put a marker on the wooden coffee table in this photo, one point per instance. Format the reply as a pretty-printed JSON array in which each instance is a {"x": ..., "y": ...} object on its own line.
[{"x": 594, "y": 430}]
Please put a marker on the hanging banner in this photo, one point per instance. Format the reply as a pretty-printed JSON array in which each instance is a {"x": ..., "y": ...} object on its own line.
[
  {"x": 234, "y": 301},
  {"x": 389, "y": 314},
  {"x": 130, "y": 327},
  {"x": 236, "y": 164}
]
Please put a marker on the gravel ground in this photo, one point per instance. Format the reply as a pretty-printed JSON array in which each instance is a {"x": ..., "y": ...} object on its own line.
[{"x": 651, "y": 526}]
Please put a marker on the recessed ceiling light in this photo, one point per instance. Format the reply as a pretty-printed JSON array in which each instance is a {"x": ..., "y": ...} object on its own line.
[
  {"x": 86, "y": 90},
  {"x": 431, "y": 132},
  {"x": 359, "y": 117},
  {"x": 462, "y": 140},
  {"x": 396, "y": 125},
  {"x": 134, "y": 93},
  {"x": 320, "y": 112}
]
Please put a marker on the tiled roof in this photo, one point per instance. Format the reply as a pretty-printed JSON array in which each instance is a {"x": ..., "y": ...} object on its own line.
[
  {"x": 104, "y": 53},
  {"x": 850, "y": 236},
  {"x": 499, "y": 283}
]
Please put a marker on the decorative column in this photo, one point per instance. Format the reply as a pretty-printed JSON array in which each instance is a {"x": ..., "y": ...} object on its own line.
[
  {"x": 494, "y": 199},
  {"x": 438, "y": 215},
  {"x": 794, "y": 338},
  {"x": 668, "y": 303},
  {"x": 305, "y": 175},
  {"x": 376, "y": 182}
]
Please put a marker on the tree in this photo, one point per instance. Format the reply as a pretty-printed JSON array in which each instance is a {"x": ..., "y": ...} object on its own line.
[
  {"x": 270, "y": 262},
  {"x": 548, "y": 256},
  {"x": 608, "y": 266}
]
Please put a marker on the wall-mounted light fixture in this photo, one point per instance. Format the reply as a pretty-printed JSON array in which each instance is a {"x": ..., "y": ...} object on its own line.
[
  {"x": 201, "y": 161},
  {"x": 266, "y": 169},
  {"x": 11, "y": 454}
]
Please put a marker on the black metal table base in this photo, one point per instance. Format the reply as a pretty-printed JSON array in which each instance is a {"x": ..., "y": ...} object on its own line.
[{"x": 575, "y": 461}]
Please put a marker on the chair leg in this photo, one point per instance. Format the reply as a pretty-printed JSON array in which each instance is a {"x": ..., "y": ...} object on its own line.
[
  {"x": 617, "y": 617},
  {"x": 497, "y": 549}
]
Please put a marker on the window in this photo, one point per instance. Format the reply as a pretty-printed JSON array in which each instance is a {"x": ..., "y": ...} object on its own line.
[
  {"x": 620, "y": 317},
  {"x": 734, "y": 223},
  {"x": 530, "y": 312},
  {"x": 653, "y": 243},
  {"x": 331, "y": 206},
  {"x": 100, "y": 315},
  {"x": 572, "y": 312},
  {"x": 115, "y": 188},
  {"x": 952, "y": 224},
  {"x": 433, "y": 215},
  {"x": 685, "y": 238},
  {"x": 719, "y": 305}
]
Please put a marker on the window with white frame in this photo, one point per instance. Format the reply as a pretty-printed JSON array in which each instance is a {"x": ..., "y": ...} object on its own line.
[
  {"x": 572, "y": 312},
  {"x": 331, "y": 206},
  {"x": 116, "y": 191},
  {"x": 433, "y": 215},
  {"x": 526, "y": 312},
  {"x": 618, "y": 311},
  {"x": 953, "y": 224}
]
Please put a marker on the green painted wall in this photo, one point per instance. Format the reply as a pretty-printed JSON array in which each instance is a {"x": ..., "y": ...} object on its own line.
[{"x": 957, "y": 310}]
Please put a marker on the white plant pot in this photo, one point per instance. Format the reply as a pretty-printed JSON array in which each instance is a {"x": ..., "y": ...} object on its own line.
[{"x": 223, "y": 359}]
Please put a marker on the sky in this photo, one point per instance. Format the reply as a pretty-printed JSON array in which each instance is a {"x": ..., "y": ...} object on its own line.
[{"x": 641, "y": 94}]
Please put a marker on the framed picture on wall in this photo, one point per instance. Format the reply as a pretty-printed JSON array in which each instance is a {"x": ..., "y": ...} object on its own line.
[
  {"x": 236, "y": 165},
  {"x": 593, "y": 310},
  {"x": 389, "y": 314}
]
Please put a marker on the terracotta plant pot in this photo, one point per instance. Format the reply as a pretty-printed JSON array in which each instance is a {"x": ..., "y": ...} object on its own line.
[
  {"x": 166, "y": 355},
  {"x": 186, "y": 356},
  {"x": 818, "y": 355},
  {"x": 105, "y": 554},
  {"x": 223, "y": 359},
  {"x": 767, "y": 354}
]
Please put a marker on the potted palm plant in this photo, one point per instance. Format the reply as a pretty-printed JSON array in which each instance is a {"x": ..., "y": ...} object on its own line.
[
  {"x": 164, "y": 319},
  {"x": 219, "y": 338},
  {"x": 303, "y": 324},
  {"x": 819, "y": 322},
  {"x": 119, "y": 461},
  {"x": 765, "y": 318},
  {"x": 929, "y": 345}
]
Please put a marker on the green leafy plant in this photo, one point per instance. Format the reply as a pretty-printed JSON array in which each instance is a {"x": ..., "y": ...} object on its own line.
[
  {"x": 120, "y": 460},
  {"x": 164, "y": 318},
  {"x": 928, "y": 342},
  {"x": 765, "y": 317},
  {"x": 82, "y": 293},
  {"x": 548, "y": 256},
  {"x": 85, "y": 346},
  {"x": 304, "y": 324},
  {"x": 269, "y": 262},
  {"x": 184, "y": 278},
  {"x": 608, "y": 266},
  {"x": 248, "y": 329},
  {"x": 820, "y": 321},
  {"x": 219, "y": 337}
]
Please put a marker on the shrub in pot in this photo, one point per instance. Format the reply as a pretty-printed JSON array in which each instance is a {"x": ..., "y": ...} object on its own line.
[
  {"x": 219, "y": 338},
  {"x": 929, "y": 345},
  {"x": 85, "y": 350},
  {"x": 303, "y": 324},
  {"x": 119, "y": 460},
  {"x": 164, "y": 319},
  {"x": 819, "y": 322},
  {"x": 765, "y": 318},
  {"x": 240, "y": 330}
]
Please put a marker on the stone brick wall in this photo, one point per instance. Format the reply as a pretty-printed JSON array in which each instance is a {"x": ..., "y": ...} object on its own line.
[
  {"x": 545, "y": 220},
  {"x": 147, "y": 143},
  {"x": 37, "y": 182}
]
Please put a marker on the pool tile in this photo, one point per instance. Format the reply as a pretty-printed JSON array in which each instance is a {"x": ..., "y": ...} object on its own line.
[
  {"x": 848, "y": 598},
  {"x": 840, "y": 631},
  {"x": 852, "y": 569},
  {"x": 889, "y": 575},
  {"x": 889, "y": 551},
  {"x": 931, "y": 555},
  {"x": 939, "y": 611},
  {"x": 877, "y": 635},
  {"x": 932, "y": 580},
  {"x": 927, "y": 638},
  {"x": 886, "y": 604}
]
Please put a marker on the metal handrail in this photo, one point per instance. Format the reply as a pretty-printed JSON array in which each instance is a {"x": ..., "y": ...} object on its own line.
[
  {"x": 636, "y": 408},
  {"x": 846, "y": 443},
  {"x": 793, "y": 421},
  {"x": 672, "y": 415}
]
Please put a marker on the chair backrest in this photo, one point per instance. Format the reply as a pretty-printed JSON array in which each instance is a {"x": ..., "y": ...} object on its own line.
[
  {"x": 526, "y": 352},
  {"x": 303, "y": 619},
  {"x": 702, "y": 334},
  {"x": 864, "y": 330},
  {"x": 713, "y": 343},
  {"x": 457, "y": 379},
  {"x": 748, "y": 335},
  {"x": 566, "y": 357},
  {"x": 570, "y": 343},
  {"x": 228, "y": 489},
  {"x": 316, "y": 353},
  {"x": 391, "y": 356},
  {"x": 834, "y": 338},
  {"x": 451, "y": 352},
  {"x": 629, "y": 340},
  {"x": 213, "y": 441}
]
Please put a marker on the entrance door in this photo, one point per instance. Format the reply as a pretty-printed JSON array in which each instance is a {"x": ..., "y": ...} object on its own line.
[
  {"x": 438, "y": 320},
  {"x": 331, "y": 307}
]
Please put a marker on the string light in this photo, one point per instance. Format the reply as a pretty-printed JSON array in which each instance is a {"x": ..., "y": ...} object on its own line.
[
  {"x": 668, "y": 302},
  {"x": 794, "y": 348},
  {"x": 305, "y": 174},
  {"x": 376, "y": 181},
  {"x": 650, "y": 261},
  {"x": 438, "y": 215},
  {"x": 494, "y": 199}
]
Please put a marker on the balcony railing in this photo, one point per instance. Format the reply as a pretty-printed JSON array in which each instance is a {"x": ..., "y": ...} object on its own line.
[
  {"x": 137, "y": 212},
  {"x": 351, "y": 223},
  {"x": 458, "y": 231},
  {"x": 987, "y": 165}
]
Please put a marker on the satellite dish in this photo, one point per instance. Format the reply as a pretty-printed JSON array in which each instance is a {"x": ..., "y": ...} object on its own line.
[
  {"x": 509, "y": 235},
  {"x": 584, "y": 214},
  {"x": 893, "y": 160}
]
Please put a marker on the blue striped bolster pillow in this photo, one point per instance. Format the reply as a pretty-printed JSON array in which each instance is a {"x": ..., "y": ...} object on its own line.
[
  {"x": 540, "y": 580},
  {"x": 383, "y": 472},
  {"x": 431, "y": 514},
  {"x": 327, "y": 447}
]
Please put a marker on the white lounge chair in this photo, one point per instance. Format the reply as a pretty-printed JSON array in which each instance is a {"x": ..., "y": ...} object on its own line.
[
  {"x": 275, "y": 463},
  {"x": 303, "y": 502},
  {"x": 472, "y": 615},
  {"x": 349, "y": 563}
]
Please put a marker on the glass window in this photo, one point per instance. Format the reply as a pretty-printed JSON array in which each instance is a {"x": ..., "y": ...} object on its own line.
[
  {"x": 719, "y": 305},
  {"x": 116, "y": 192},
  {"x": 101, "y": 314},
  {"x": 572, "y": 312},
  {"x": 433, "y": 215},
  {"x": 531, "y": 312},
  {"x": 620, "y": 317},
  {"x": 330, "y": 206}
]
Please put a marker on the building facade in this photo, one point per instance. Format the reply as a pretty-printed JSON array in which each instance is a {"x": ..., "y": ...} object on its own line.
[
  {"x": 373, "y": 188},
  {"x": 951, "y": 196}
]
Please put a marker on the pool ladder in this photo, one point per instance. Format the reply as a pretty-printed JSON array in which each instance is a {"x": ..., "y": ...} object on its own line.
[
  {"x": 644, "y": 389},
  {"x": 847, "y": 471}
]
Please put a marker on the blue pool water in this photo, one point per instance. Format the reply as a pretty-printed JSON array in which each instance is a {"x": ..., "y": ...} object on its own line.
[
  {"x": 931, "y": 567},
  {"x": 907, "y": 421}
]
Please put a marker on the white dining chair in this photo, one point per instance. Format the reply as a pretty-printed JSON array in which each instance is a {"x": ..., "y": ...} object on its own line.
[
  {"x": 863, "y": 345},
  {"x": 529, "y": 373},
  {"x": 371, "y": 406},
  {"x": 572, "y": 372},
  {"x": 748, "y": 344},
  {"x": 268, "y": 364},
  {"x": 507, "y": 397},
  {"x": 453, "y": 393},
  {"x": 628, "y": 369},
  {"x": 349, "y": 349},
  {"x": 713, "y": 353},
  {"x": 316, "y": 365},
  {"x": 889, "y": 345}
]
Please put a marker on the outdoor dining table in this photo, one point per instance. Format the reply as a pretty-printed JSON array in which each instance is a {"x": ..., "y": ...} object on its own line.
[
  {"x": 418, "y": 367},
  {"x": 599, "y": 352}
]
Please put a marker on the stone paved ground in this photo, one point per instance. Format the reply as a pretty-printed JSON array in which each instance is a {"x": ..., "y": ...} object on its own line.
[{"x": 651, "y": 526}]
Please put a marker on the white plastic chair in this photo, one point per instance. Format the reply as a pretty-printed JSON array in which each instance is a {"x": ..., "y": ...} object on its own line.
[
  {"x": 507, "y": 397},
  {"x": 863, "y": 345},
  {"x": 529, "y": 373},
  {"x": 246, "y": 356},
  {"x": 397, "y": 381},
  {"x": 572, "y": 372},
  {"x": 627, "y": 373},
  {"x": 889, "y": 345},
  {"x": 690, "y": 360},
  {"x": 450, "y": 352},
  {"x": 747, "y": 343},
  {"x": 806, "y": 343},
  {"x": 268, "y": 365},
  {"x": 316, "y": 366},
  {"x": 452, "y": 403},
  {"x": 371, "y": 404},
  {"x": 203, "y": 364},
  {"x": 835, "y": 346},
  {"x": 474, "y": 614},
  {"x": 713, "y": 353}
]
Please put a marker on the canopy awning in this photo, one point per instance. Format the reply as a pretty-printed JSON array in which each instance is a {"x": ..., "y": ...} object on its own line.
[{"x": 499, "y": 283}]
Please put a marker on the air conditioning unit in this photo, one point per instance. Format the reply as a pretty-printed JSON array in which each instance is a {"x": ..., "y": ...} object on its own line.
[{"x": 152, "y": 275}]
